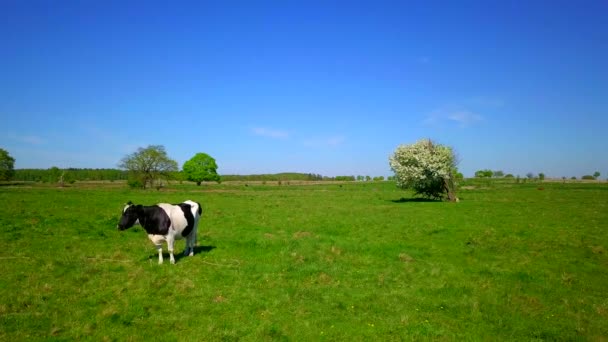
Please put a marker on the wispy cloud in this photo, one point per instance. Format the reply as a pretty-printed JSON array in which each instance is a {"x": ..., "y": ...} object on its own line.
[
  {"x": 423, "y": 60},
  {"x": 28, "y": 139},
  {"x": 270, "y": 133},
  {"x": 460, "y": 116},
  {"x": 484, "y": 102},
  {"x": 464, "y": 117},
  {"x": 333, "y": 141}
]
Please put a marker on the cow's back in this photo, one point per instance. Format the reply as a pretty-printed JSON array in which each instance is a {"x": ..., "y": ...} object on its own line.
[
  {"x": 184, "y": 217},
  {"x": 178, "y": 221},
  {"x": 197, "y": 211}
]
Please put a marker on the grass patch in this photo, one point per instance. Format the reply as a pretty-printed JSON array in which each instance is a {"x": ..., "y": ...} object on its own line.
[{"x": 309, "y": 262}]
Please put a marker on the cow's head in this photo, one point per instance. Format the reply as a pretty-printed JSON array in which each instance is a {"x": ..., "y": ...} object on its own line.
[{"x": 130, "y": 216}]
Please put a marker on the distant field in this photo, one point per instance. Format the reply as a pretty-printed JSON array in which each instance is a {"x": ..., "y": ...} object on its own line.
[{"x": 352, "y": 261}]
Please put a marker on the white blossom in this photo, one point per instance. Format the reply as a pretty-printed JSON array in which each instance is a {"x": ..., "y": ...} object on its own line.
[{"x": 421, "y": 164}]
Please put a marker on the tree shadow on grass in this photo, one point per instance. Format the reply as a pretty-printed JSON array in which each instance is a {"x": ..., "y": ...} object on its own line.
[
  {"x": 415, "y": 200},
  {"x": 12, "y": 183}
]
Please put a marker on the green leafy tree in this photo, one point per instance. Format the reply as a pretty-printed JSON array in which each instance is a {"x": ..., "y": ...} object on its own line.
[
  {"x": 498, "y": 174},
  {"x": 54, "y": 174},
  {"x": 201, "y": 168},
  {"x": 426, "y": 167},
  {"x": 541, "y": 176},
  {"x": 484, "y": 173},
  {"x": 148, "y": 165},
  {"x": 7, "y": 165},
  {"x": 596, "y": 174}
]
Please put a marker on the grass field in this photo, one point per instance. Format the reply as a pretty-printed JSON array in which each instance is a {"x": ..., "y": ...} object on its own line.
[{"x": 351, "y": 262}]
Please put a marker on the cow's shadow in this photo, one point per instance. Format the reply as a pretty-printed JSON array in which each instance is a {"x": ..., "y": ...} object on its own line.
[
  {"x": 179, "y": 253},
  {"x": 415, "y": 200}
]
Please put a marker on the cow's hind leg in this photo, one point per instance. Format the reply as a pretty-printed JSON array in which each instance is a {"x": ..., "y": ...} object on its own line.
[
  {"x": 170, "y": 243},
  {"x": 159, "y": 248},
  {"x": 190, "y": 240}
]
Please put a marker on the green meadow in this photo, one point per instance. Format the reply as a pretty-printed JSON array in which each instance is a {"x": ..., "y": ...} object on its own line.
[{"x": 357, "y": 261}]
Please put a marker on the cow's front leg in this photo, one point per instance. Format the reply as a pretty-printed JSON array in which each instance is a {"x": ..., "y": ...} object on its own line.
[{"x": 159, "y": 248}]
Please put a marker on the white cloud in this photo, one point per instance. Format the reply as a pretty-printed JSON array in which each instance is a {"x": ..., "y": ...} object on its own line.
[
  {"x": 28, "y": 139},
  {"x": 464, "y": 117},
  {"x": 325, "y": 142},
  {"x": 485, "y": 102},
  {"x": 270, "y": 133},
  {"x": 460, "y": 116},
  {"x": 423, "y": 60}
]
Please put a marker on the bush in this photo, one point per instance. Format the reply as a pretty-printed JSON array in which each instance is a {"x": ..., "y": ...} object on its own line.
[
  {"x": 484, "y": 173},
  {"x": 588, "y": 177},
  {"x": 135, "y": 182}
]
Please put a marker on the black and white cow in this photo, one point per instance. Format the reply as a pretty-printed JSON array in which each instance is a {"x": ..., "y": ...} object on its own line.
[{"x": 165, "y": 222}]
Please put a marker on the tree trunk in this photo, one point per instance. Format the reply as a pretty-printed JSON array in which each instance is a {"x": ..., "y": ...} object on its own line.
[
  {"x": 448, "y": 184},
  {"x": 61, "y": 179}
]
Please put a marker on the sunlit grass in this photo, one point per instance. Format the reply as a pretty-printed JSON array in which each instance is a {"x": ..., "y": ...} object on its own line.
[{"x": 321, "y": 262}]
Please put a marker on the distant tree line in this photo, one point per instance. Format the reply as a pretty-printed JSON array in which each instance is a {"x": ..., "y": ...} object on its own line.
[
  {"x": 70, "y": 175},
  {"x": 152, "y": 167},
  {"x": 294, "y": 176},
  {"x": 487, "y": 173}
]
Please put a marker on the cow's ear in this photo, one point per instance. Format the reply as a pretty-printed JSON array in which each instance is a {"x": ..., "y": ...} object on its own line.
[{"x": 129, "y": 203}]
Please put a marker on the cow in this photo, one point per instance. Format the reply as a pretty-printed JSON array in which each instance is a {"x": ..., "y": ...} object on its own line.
[{"x": 165, "y": 222}]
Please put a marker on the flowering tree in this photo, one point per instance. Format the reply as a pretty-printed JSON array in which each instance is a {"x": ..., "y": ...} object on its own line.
[{"x": 426, "y": 167}]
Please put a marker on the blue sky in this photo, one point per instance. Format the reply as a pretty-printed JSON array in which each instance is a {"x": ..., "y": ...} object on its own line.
[{"x": 327, "y": 87}]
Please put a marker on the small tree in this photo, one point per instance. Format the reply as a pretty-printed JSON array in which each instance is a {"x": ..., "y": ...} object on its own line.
[
  {"x": 458, "y": 176},
  {"x": 596, "y": 174},
  {"x": 54, "y": 175},
  {"x": 201, "y": 168},
  {"x": 498, "y": 174},
  {"x": 541, "y": 176},
  {"x": 426, "y": 167},
  {"x": 7, "y": 165},
  {"x": 147, "y": 165},
  {"x": 484, "y": 173}
]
